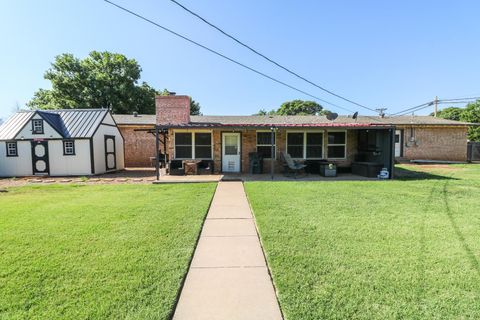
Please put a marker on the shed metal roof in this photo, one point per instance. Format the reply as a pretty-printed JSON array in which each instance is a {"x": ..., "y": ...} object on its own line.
[{"x": 70, "y": 123}]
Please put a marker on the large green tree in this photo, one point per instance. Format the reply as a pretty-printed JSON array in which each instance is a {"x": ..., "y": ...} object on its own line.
[
  {"x": 101, "y": 80},
  {"x": 452, "y": 113},
  {"x": 296, "y": 107},
  {"x": 471, "y": 113}
]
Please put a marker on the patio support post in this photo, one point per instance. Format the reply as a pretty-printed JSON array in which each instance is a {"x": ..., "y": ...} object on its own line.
[
  {"x": 157, "y": 155},
  {"x": 165, "y": 146},
  {"x": 391, "y": 133},
  {"x": 272, "y": 158}
]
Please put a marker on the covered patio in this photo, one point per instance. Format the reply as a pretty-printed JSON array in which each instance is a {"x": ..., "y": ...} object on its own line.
[{"x": 344, "y": 150}]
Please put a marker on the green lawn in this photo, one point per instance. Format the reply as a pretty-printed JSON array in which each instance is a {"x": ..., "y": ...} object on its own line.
[
  {"x": 97, "y": 252},
  {"x": 374, "y": 249}
]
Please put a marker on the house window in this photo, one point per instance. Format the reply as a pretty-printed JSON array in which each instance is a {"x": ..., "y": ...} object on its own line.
[
  {"x": 264, "y": 144},
  {"x": 12, "y": 150},
  {"x": 337, "y": 143},
  {"x": 314, "y": 145},
  {"x": 183, "y": 145},
  {"x": 295, "y": 144},
  {"x": 305, "y": 145},
  {"x": 203, "y": 145},
  {"x": 68, "y": 147},
  {"x": 37, "y": 126},
  {"x": 193, "y": 145}
]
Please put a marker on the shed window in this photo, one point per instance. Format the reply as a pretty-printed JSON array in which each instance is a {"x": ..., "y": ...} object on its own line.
[
  {"x": 264, "y": 144},
  {"x": 193, "y": 145},
  {"x": 68, "y": 147},
  {"x": 337, "y": 143},
  {"x": 37, "y": 126},
  {"x": 12, "y": 150},
  {"x": 305, "y": 145}
]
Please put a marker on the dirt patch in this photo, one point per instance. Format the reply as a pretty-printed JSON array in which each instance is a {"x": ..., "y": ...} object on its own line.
[{"x": 128, "y": 176}]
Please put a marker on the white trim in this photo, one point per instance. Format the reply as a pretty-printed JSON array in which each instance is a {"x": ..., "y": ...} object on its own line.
[
  {"x": 192, "y": 133},
  {"x": 266, "y": 145},
  {"x": 305, "y": 142},
  {"x": 338, "y": 144}
]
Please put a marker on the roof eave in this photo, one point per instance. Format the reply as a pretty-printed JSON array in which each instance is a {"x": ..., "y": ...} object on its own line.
[{"x": 283, "y": 125}]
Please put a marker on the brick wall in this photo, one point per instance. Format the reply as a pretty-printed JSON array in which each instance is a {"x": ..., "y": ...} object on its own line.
[
  {"x": 249, "y": 144},
  {"x": 435, "y": 143},
  {"x": 217, "y": 150},
  {"x": 172, "y": 110},
  {"x": 139, "y": 145}
]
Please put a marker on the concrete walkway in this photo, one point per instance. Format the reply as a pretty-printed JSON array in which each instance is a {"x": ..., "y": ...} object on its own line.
[{"x": 228, "y": 277}]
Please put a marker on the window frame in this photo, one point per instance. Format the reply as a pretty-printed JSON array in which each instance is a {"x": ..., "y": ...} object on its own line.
[
  {"x": 15, "y": 143},
  {"x": 304, "y": 151},
  {"x": 65, "y": 147},
  {"x": 193, "y": 144},
  {"x": 337, "y": 145},
  {"x": 322, "y": 145},
  {"x": 267, "y": 145},
  {"x": 42, "y": 126}
]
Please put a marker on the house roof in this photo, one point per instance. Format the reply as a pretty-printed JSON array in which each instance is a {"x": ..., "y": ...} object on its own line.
[
  {"x": 129, "y": 119},
  {"x": 70, "y": 123},
  {"x": 293, "y": 121}
]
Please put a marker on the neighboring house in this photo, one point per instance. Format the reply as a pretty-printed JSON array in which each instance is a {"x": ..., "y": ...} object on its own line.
[
  {"x": 70, "y": 142},
  {"x": 228, "y": 140}
]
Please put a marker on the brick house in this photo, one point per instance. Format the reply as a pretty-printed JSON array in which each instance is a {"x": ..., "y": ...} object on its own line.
[{"x": 227, "y": 141}]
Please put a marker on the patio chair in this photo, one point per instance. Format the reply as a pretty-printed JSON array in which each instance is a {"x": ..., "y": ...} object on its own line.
[
  {"x": 176, "y": 168},
  {"x": 291, "y": 165}
]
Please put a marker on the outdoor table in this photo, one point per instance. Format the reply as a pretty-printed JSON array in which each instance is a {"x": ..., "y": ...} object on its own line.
[{"x": 191, "y": 167}]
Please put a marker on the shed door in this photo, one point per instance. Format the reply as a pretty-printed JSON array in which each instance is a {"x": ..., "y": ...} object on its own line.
[
  {"x": 110, "y": 158},
  {"x": 40, "y": 164}
]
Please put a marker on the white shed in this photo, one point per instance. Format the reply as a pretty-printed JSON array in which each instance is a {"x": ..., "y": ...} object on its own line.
[{"x": 73, "y": 142}]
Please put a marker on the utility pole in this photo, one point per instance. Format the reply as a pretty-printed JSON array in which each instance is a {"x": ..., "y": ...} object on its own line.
[
  {"x": 435, "y": 110},
  {"x": 381, "y": 112}
]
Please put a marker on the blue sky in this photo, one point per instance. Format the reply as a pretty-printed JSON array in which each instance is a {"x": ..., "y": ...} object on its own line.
[{"x": 393, "y": 54}]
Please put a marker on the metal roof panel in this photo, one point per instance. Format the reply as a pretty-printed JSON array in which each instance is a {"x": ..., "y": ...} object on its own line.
[{"x": 71, "y": 123}]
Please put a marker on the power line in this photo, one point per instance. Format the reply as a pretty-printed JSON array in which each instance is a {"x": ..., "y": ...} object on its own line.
[
  {"x": 454, "y": 102},
  {"x": 426, "y": 104},
  {"x": 412, "y": 111},
  {"x": 269, "y": 59},
  {"x": 430, "y": 103},
  {"x": 472, "y": 98},
  {"x": 224, "y": 56}
]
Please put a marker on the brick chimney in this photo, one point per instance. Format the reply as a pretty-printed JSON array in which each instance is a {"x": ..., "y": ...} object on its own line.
[{"x": 172, "y": 110}]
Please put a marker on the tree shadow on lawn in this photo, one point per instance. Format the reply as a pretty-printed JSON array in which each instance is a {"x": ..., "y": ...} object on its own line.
[{"x": 406, "y": 174}]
